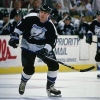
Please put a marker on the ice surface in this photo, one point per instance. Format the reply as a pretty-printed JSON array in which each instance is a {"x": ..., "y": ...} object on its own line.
[{"x": 73, "y": 85}]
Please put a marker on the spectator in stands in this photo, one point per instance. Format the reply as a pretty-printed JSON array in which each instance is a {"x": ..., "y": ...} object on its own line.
[
  {"x": 25, "y": 3},
  {"x": 81, "y": 7},
  {"x": 6, "y": 30},
  {"x": 57, "y": 11},
  {"x": 96, "y": 5},
  {"x": 36, "y": 6},
  {"x": 89, "y": 11},
  {"x": 66, "y": 5},
  {"x": 16, "y": 9},
  {"x": 73, "y": 11}
]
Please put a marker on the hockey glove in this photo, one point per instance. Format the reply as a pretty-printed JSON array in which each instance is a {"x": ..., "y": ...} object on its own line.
[
  {"x": 97, "y": 57},
  {"x": 81, "y": 36},
  {"x": 14, "y": 40},
  {"x": 89, "y": 38},
  {"x": 42, "y": 53}
]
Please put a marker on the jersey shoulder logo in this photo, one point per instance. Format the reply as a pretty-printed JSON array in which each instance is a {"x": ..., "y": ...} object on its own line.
[{"x": 97, "y": 30}]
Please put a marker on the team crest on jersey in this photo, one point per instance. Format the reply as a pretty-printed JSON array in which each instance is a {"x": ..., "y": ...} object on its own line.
[
  {"x": 68, "y": 31},
  {"x": 37, "y": 32},
  {"x": 97, "y": 30}
]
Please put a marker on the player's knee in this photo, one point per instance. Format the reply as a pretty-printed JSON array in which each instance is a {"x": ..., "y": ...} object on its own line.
[
  {"x": 54, "y": 67},
  {"x": 29, "y": 70}
]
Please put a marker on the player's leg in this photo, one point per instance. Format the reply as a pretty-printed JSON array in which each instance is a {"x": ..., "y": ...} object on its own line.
[
  {"x": 52, "y": 75},
  {"x": 28, "y": 59},
  {"x": 98, "y": 68},
  {"x": 97, "y": 59}
]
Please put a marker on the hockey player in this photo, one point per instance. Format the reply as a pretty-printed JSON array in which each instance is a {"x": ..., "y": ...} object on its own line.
[
  {"x": 83, "y": 27},
  {"x": 68, "y": 27},
  {"x": 39, "y": 39},
  {"x": 95, "y": 30},
  {"x": 16, "y": 20},
  {"x": 8, "y": 29}
]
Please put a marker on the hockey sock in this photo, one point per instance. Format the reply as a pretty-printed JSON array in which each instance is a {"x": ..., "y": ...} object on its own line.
[
  {"x": 25, "y": 77},
  {"x": 51, "y": 77},
  {"x": 98, "y": 65}
]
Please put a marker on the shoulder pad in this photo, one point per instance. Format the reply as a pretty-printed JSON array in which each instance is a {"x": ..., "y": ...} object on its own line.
[{"x": 30, "y": 15}]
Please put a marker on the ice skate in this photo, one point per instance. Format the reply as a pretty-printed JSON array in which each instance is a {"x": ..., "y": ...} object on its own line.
[
  {"x": 98, "y": 76},
  {"x": 22, "y": 87},
  {"x": 52, "y": 92}
]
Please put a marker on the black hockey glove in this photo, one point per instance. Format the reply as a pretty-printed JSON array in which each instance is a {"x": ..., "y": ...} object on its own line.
[
  {"x": 14, "y": 40},
  {"x": 89, "y": 38},
  {"x": 97, "y": 56},
  {"x": 42, "y": 53},
  {"x": 81, "y": 36}
]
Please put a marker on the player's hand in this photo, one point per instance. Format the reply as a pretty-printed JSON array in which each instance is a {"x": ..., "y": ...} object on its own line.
[
  {"x": 89, "y": 38},
  {"x": 42, "y": 53},
  {"x": 81, "y": 36},
  {"x": 13, "y": 42}
]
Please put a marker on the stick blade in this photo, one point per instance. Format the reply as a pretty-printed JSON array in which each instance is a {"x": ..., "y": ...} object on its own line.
[{"x": 87, "y": 69}]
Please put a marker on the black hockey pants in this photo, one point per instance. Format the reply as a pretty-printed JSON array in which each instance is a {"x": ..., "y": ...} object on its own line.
[{"x": 28, "y": 59}]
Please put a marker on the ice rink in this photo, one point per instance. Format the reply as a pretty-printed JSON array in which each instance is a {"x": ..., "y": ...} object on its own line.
[{"x": 73, "y": 85}]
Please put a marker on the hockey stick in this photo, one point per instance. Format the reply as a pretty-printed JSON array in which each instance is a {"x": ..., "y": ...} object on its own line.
[
  {"x": 80, "y": 70},
  {"x": 94, "y": 42}
]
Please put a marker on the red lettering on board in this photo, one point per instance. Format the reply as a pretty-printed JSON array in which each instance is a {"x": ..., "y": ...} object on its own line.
[{"x": 5, "y": 52}]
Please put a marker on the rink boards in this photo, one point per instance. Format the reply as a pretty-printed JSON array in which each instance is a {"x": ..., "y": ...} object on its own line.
[{"x": 69, "y": 50}]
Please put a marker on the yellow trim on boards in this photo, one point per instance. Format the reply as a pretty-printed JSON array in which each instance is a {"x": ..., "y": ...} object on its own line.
[{"x": 17, "y": 70}]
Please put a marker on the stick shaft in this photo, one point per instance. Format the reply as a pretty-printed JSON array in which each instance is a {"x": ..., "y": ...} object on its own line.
[
  {"x": 80, "y": 70},
  {"x": 94, "y": 42}
]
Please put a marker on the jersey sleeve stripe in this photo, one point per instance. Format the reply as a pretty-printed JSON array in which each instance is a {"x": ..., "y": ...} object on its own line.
[{"x": 18, "y": 31}]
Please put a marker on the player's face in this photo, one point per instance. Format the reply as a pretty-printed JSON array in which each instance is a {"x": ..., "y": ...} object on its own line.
[
  {"x": 67, "y": 22},
  {"x": 98, "y": 18},
  {"x": 6, "y": 19},
  {"x": 43, "y": 16},
  {"x": 83, "y": 19}
]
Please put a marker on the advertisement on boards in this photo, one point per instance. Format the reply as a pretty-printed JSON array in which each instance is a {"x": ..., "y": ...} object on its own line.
[
  {"x": 67, "y": 51},
  {"x": 8, "y": 55}
]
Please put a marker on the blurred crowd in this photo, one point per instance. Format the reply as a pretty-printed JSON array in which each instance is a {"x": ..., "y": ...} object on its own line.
[{"x": 70, "y": 17}]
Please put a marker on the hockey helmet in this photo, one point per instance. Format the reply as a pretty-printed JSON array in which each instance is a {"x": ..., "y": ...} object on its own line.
[
  {"x": 6, "y": 14},
  {"x": 68, "y": 18},
  {"x": 46, "y": 8},
  {"x": 98, "y": 12},
  {"x": 53, "y": 16},
  {"x": 64, "y": 13}
]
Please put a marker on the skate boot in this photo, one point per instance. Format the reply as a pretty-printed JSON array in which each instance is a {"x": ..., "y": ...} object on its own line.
[
  {"x": 52, "y": 92},
  {"x": 22, "y": 87},
  {"x": 98, "y": 76}
]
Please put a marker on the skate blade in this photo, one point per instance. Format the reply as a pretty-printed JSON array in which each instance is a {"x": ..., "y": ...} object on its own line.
[{"x": 51, "y": 95}]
